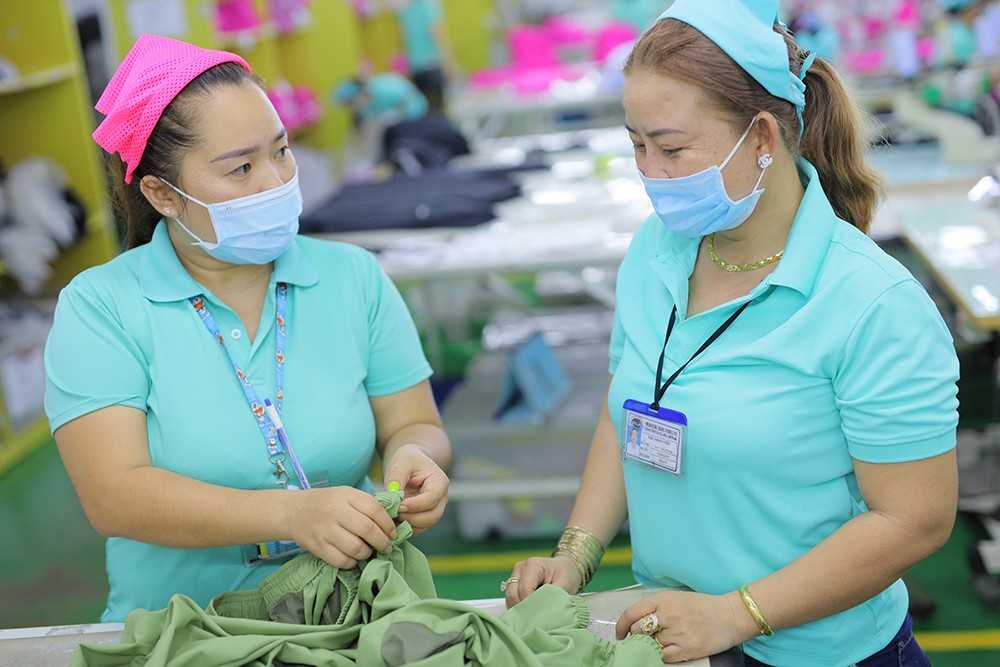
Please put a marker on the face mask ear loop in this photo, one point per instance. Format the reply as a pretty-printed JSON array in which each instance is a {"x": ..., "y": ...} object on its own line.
[
  {"x": 760, "y": 179},
  {"x": 739, "y": 143},
  {"x": 182, "y": 193},
  {"x": 197, "y": 240}
]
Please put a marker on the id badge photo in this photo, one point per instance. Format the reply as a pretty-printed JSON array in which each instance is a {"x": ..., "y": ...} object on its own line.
[{"x": 653, "y": 437}]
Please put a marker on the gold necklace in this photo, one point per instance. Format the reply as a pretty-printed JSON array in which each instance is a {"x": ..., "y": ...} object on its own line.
[{"x": 740, "y": 268}]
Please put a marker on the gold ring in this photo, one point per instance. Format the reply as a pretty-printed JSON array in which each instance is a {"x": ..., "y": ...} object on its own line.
[
  {"x": 650, "y": 625},
  {"x": 507, "y": 582}
]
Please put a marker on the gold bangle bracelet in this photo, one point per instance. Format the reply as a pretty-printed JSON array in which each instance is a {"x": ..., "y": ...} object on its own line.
[
  {"x": 583, "y": 548},
  {"x": 581, "y": 537},
  {"x": 581, "y": 567},
  {"x": 583, "y": 542},
  {"x": 755, "y": 612},
  {"x": 585, "y": 564}
]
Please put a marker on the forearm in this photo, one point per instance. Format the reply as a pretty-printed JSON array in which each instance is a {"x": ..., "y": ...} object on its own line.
[
  {"x": 854, "y": 564},
  {"x": 600, "y": 504},
  {"x": 160, "y": 507},
  {"x": 430, "y": 438}
]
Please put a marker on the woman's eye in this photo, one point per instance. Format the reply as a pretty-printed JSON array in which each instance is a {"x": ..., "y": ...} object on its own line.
[
  {"x": 670, "y": 152},
  {"x": 638, "y": 147},
  {"x": 241, "y": 170},
  {"x": 284, "y": 151}
]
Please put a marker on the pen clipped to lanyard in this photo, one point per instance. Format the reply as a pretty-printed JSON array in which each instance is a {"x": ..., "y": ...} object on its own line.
[{"x": 279, "y": 427}]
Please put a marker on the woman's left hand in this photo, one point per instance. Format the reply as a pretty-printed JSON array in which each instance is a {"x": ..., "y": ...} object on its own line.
[
  {"x": 424, "y": 484},
  {"x": 694, "y": 625}
]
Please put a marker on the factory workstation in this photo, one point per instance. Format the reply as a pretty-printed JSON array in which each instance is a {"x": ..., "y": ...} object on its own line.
[{"x": 500, "y": 333}]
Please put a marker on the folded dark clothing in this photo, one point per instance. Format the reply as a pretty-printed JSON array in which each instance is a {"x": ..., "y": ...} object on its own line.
[
  {"x": 432, "y": 140},
  {"x": 432, "y": 199}
]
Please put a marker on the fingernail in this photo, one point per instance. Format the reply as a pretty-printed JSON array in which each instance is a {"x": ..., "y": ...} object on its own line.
[
  {"x": 404, "y": 508},
  {"x": 394, "y": 534}
]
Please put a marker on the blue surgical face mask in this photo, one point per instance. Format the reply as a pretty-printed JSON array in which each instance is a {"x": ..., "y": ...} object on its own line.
[
  {"x": 256, "y": 229},
  {"x": 699, "y": 205}
]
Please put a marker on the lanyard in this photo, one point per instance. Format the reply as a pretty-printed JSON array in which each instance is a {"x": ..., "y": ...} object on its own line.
[
  {"x": 276, "y": 453},
  {"x": 658, "y": 389}
]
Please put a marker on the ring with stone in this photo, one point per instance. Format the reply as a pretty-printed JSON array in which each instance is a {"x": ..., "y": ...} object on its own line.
[
  {"x": 650, "y": 625},
  {"x": 507, "y": 582}
]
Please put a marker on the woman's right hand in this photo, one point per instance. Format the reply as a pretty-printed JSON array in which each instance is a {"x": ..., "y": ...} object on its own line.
[
  {"x": 340, "y": 525},
  {"x": 533, "y": 573}
]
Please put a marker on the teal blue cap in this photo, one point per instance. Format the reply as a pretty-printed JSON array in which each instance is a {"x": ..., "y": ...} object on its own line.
[
  {"x": 744, "y": 30},
  {"x": 346, "y": 91}
]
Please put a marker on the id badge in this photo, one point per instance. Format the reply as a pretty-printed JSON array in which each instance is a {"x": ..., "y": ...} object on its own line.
[
  {"x": 654, "y": 437},
  {"x": 278, "y": 550}
]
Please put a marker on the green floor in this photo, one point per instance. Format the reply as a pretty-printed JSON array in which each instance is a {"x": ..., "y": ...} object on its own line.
[{"x": 52, "y": 563}]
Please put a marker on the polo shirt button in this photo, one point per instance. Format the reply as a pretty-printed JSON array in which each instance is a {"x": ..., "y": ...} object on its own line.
[{"x": 236, "y": 334}]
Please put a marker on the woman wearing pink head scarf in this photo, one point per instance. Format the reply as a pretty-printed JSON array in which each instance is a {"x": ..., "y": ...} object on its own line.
[{"x": 218, "y": 392}]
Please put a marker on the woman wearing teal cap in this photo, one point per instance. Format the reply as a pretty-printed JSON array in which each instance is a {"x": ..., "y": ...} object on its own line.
[
  {"x": 795, "y": 386},
  {"x": 218, "y": 392}
]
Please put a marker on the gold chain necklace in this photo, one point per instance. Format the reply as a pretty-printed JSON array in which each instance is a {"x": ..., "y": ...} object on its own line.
[{"x": 740, "y": 268}]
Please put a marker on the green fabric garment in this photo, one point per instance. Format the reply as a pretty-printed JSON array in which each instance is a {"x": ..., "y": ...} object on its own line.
[
  {"x": 548, "y": 629},
  {"x": 307, "y": 591},
  {"x": 386, "y": 614}
]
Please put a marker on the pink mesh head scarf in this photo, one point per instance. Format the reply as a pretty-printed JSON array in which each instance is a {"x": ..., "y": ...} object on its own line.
[{"x": 155, "y": 70}]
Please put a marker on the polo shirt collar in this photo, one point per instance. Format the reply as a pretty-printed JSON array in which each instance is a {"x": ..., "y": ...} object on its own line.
[
  {"x": 809, "y": 239},
  {"x": 805, "y": 251},
  {"x": 164, "y": 278}
]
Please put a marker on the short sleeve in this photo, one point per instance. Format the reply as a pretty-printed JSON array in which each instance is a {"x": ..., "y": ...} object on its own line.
[
  {"x": 90, "y": 360},
  {"x": 396, "y": 359},
  {"x": 896, "y": 388}
]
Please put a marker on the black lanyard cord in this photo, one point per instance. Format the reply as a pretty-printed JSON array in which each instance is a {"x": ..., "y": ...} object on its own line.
[{"x": 658, "y": 389}]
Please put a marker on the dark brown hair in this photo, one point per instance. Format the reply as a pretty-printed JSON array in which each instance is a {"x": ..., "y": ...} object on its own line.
[
  {"x": 173, "y": 135},
  {"x": 833, "y": 141}
]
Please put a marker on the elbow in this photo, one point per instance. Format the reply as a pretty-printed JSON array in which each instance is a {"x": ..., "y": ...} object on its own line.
[
  {"x": 942, "y": 532},
  {"x": 100, "y": 522},
  {"x": 931, "y": 535},
  {"x": 103, "y": 518},
  {"x": 447, "y": 456},
  {"x": 916, "y": 539}
]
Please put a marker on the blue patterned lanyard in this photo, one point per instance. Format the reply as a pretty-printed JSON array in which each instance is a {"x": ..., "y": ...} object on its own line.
[{"x": 276, "y": 454}]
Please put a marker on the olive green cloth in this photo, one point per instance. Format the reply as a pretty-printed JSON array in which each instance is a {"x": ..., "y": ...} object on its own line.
[{"x": 384, "y": 614}]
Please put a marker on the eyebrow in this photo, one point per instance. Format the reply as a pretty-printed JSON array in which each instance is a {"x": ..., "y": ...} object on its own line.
[
  {"x": 659, "y": 132},
  {"x": 250, "y": 150}
]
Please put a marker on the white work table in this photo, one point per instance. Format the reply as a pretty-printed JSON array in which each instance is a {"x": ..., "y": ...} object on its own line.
[{"x": 55, "y": 646}]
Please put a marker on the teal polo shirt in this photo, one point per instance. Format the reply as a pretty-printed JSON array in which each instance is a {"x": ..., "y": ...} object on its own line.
[
  {"x": 841, "y": 356},
  {"x": 393, "y": 98},
  {"x": 417, "y": 21},
  {"x": 126, "y": 334}
]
